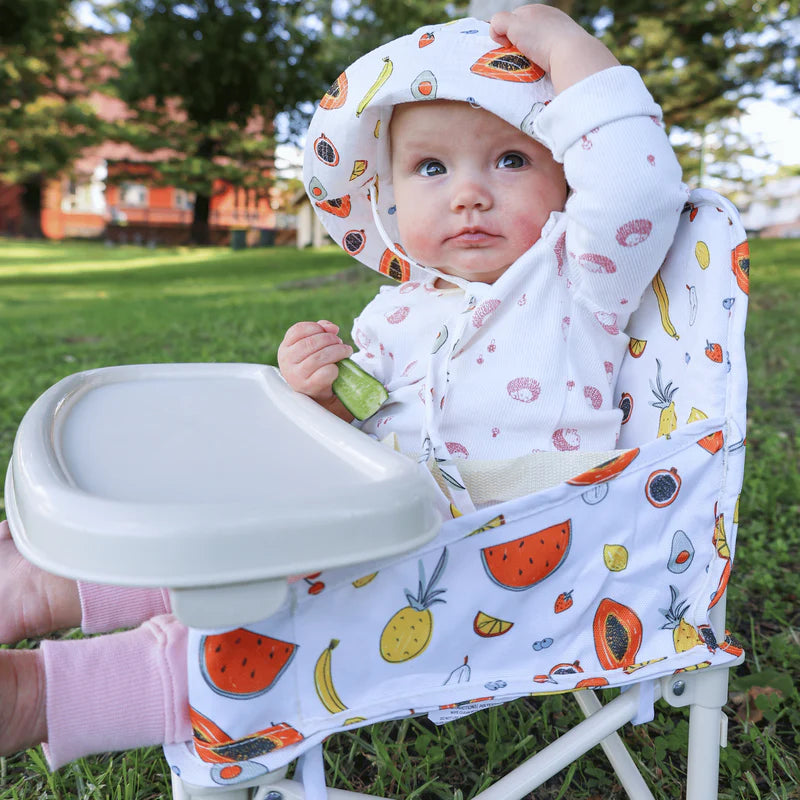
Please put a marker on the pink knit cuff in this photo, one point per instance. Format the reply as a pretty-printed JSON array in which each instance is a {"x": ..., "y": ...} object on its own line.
[
  {"x": 116, "y": 692},
  {"x": 107, "y": 608}
]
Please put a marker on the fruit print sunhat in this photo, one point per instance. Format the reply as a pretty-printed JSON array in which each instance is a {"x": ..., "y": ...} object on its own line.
[{"x": 346, "y": 166}]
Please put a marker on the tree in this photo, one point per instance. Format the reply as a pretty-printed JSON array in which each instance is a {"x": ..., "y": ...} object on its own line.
[
  {"x": 45, "y": 116},
  {"x": 207, "y": 78}
]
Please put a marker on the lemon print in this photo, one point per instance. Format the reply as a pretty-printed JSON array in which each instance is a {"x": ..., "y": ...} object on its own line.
[
  {"x": 488, "y": 626},
  {"x": 615, "y": 557},
  {"x": 702, "y": 255}
]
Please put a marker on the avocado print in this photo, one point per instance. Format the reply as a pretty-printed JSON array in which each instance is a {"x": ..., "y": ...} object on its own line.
[
  {"x": 424, "y": 86},
  {"x": 409, "y": 631}
]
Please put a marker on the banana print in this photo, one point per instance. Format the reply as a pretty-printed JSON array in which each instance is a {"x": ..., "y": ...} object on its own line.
[
  {"x": 323, "y": 681},
  {"x": 663, "y": 305},
  {"x": 385, "y": 72}
]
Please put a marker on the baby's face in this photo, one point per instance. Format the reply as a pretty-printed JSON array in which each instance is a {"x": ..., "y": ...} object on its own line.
[{"x": 472, "y": 191}]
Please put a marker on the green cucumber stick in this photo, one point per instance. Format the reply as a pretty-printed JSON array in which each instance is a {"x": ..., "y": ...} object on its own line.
[{"x": 360, "y": 393}]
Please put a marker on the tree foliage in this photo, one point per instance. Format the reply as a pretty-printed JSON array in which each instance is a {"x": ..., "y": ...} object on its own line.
[{"x": 45, "y": 81}]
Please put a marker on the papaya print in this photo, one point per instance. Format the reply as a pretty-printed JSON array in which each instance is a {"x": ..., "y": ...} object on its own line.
[
  {"x": 393, "y": 266},
  {"x": 383, "y": 76},
  {"x": 323, "y": 680},
  {"x": 243, "y": 664},
  {"x": 617, "y": 634},
  {"x": 214, "y": 745},
  {"x": 684, "y": 635},
  {"x": 338, "y": 206},
  {"x": 605, "y": 471},
  {"x": 662, "y": 487},
  {"x": 507, "y": 64},
  {"x": 615, "y": 557},
  {"x": 668, "y": 418},
  {"x": 740, "y": 263},
  {"x": 409, "y": 631},
  {"x": 336, "y": 96},
  {"x": 487, "y": 626},
  {"x": 522, "y": 563},
  {"x": 681, "y": 553},
  {"x": 714, "y": 441},
  {"x": 463, "y": 672},
  {"x": 424, "y": 86}
]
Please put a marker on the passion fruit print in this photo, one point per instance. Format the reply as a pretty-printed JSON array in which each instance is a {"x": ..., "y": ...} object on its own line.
[{"x": 525, "y": 390}]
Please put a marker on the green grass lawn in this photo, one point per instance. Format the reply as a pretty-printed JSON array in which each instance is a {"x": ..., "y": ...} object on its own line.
[{"x": 69, "y": 307}]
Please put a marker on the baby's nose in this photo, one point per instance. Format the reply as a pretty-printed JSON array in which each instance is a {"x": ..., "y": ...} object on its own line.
[{"x": 470, "y": 192}]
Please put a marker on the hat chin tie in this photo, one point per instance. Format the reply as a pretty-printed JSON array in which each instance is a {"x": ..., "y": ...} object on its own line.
[{"x": 373, "y": 203}]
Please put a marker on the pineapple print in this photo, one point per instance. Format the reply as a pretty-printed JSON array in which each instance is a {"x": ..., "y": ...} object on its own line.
[
  {"x": 668, "y": 420},
  {"x": 684, "y": 635},
  {"x": 409, "y": 631}
]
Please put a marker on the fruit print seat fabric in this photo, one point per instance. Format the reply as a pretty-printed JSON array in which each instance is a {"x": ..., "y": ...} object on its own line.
[{"x": 557, "y": 591}]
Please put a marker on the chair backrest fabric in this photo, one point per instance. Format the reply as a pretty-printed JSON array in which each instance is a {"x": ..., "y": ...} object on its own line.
[{"x": 603, "y": 580}]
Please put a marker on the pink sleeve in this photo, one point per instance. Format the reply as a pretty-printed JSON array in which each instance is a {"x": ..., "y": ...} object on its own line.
[
  {"x": 116, "y": 692},
  {"x": 106, "y": 608}
]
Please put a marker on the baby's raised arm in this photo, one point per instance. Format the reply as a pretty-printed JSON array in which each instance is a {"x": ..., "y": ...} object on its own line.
[{"x": 554, "y": 41}]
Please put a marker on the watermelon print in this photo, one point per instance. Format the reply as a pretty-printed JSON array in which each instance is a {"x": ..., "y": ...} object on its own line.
[
  {"x": 243, "y": 664},
  {"x": 522, "y": 563}
]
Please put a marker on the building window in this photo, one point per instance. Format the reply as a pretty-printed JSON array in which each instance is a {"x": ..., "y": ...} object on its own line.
[
  {"x": 133, "y": 195},
  {"x": 184, "y": 200}
]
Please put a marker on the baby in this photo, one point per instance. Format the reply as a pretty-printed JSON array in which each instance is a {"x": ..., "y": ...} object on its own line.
[{"x": 524, "y": 215}]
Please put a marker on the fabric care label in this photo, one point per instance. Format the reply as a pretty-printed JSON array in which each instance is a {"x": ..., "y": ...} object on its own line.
[{"x": 459, "y": 710}]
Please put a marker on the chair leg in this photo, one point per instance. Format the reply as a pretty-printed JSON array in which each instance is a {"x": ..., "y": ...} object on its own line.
[
  {"x": 616, "y": 752},
  {"x": 705, "y": 740}
]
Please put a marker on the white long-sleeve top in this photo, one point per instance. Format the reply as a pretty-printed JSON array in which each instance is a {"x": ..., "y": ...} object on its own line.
[{"x": 529, "y": 362}]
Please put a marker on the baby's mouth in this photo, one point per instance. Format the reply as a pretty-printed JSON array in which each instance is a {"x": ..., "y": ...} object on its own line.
[{"x": 472, "y": 236}]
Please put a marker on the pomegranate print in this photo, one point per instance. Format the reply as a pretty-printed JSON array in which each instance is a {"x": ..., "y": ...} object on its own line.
[
  {"x": 566, "y": 439},
  {"x": 398, "y": 315},
  {"x": 634, "y": 232},
  {"x": 593, "y": 396},
  {"x": 608, "y": 321},
  {"x": 483, "y": 311},
  {"x": 526, "y": 390},
  {"x": 592, "y": 262}
]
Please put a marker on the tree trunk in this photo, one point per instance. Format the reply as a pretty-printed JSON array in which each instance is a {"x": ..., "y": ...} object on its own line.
[
  {"x": 31, "y": 206},
  {"x": 200, "y": 231}
]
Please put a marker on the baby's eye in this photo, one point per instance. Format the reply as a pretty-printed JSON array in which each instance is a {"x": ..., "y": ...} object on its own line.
[
  {"x": 430, "y": 168},
  {"x": 512, "y": 161}
]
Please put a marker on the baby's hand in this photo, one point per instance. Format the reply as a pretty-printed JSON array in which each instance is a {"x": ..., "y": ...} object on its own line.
[
  {"x": 307, "y": 358},
  {"x": 554, "y": 41}
]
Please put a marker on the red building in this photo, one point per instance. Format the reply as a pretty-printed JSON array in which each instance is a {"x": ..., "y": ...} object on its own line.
[{"x": 111, "y": 191}]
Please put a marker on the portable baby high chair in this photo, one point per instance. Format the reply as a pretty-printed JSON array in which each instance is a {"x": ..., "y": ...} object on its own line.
[{"x": 218, "y": 482}]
